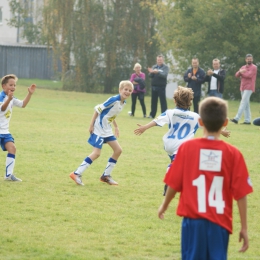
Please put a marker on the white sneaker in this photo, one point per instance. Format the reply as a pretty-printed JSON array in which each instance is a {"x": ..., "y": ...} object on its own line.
[
  {"x": 76, "y": 178},
  {"x": 11, "y": 177}
]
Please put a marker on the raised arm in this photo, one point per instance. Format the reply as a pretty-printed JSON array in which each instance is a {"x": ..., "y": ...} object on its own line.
[
  {"x": 143, "y": 128},
  {"x": 31, "y": 90}
]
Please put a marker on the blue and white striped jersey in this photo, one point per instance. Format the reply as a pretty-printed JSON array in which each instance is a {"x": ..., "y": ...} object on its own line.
[
  {"x": 183, "y": 125},
  {"x": 5, "y": 116},
  {"x": 107, "y": 112}
]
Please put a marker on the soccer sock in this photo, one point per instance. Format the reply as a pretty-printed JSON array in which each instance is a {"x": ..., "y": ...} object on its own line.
[
  {"x": 110, "y": 166},
  {"x": 84, "y": 165},
  {"x": 10, "y": 162}
]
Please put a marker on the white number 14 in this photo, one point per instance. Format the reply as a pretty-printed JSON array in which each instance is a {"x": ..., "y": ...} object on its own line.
[{"x": 215, "y": 197}]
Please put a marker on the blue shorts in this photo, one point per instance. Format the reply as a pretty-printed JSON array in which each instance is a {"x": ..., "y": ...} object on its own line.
[
  {"x": 5, "y": 138},
  {"x": 203, "y": 240},
  {"x": 98, "y": 141}
]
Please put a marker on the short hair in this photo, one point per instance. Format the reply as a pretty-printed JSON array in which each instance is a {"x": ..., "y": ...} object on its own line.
[
  {"x": 213, "y": 113},
  {"x": 183, "y": 97},
  {"x": 7, "y": 77},
  {"x": 160, "y": 56},
  {"x": 216, "y": 60},
  {"x": 124, "y": 83},
  {"x": 137, "y": 65},
  {"x": 194, "y": 58},
  {"x": 249, "y": 55}
]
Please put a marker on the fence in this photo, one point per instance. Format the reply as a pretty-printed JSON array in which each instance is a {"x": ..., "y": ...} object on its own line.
[{"x": 27, "y": 61}]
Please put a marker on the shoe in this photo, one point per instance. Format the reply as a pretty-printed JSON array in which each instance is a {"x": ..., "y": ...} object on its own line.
[
  {"x": 76, "y": 178},
  {"x": 130, "y": 113},
  {"x": 144, "y": 116},
  {"x": 11, "y": 177},
  {"x": 234, "y": 121},
  {"x": 245, "y": 123},
  {"x": 150, "y": 117},
  {"x": 108, "y": 179}
]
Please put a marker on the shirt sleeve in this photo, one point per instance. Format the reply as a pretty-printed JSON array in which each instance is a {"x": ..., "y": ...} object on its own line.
[
  {"x": 162, "y": 119},
  {"x": 108, "y": 103},
  {"x": 17, "y": 102}
]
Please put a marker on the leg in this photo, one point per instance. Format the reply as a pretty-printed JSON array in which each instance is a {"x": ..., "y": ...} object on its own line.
[
  {"x": 247, "y": 112},
  {"x": 154, "y": 102},
  {"x": 163, "y": 100},
  {"x": 134, "y": 97},
  {"x": 245, "y": 99},
  {"x": 141, "y": 99},
  {"x": 117, "y": 150},
  {"x": 196, "y": 101}
]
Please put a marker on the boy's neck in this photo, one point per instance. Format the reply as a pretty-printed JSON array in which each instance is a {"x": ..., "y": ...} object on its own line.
[{"x": 211, "y": 135}]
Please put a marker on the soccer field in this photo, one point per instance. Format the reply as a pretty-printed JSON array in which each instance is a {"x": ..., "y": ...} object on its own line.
[{"x": 47, "y": 216}]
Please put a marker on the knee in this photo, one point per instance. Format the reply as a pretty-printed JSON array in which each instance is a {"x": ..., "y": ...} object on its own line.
[{"x": 118, "y": 151}]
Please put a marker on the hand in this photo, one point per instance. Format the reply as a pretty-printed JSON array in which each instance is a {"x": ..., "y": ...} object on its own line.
[
  {"x": 189, "y": 75},
  {"x": 161, "y": 211},
  {"x": 210, "y": 72},
  {"x": 134, "y": 82},
  {"x": 32, "y": 88},
  {"x": 243, "y": 236},
  {"x": 116, "y": 132},
  {"x": 91, "y": 129},
  {"x": 194, "y": 78},
  {"x": 139, "y": 130},
  {"x": 155, "y": 71},
  {"x": 242, "y": 70},
  {"x": 225, "y": 132},
  {"x": 10, "y": 95},
  {"x": 150, "y": 70}
]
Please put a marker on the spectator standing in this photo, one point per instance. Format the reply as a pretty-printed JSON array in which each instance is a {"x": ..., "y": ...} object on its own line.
[
  {"x": 195, "y": 77},
  {"x": 138, "y": 80},
  {"x": 158, "y": 74},
  {"x": 247, "y": 75},
  {"x": 215, "y": 79}
]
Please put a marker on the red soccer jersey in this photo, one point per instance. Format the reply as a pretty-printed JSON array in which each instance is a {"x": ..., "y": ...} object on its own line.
[{"x": 208, "y": 174}]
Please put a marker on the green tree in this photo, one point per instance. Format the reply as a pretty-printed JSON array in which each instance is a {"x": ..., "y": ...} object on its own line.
[{"x": 226, "y": 30}]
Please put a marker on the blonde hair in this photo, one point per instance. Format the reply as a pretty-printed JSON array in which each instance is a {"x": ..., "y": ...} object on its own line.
[
  {"x": 7, "y": 77},
  {"x": 124, "y": 83},
  {"x": 137, "y": 65},
  {"x": 183, "y": 97}
]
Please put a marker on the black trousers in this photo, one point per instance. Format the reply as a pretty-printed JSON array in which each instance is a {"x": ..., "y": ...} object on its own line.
[
  {"x": 140, "y": 96},
  {"x": 158, "y": 92},
  {"x": 196, "y": 101}
]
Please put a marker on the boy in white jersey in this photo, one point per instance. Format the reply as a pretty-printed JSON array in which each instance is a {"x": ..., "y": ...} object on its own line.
[
  {"x": 101, "y": 132},
  {"x": 7, "y": 101},
  {"x": 182, "y": 123}
]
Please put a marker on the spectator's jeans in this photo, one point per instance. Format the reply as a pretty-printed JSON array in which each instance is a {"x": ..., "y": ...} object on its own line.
[
  {"x": 215, "y": 93},
  {"x": 244, "y": 106}
]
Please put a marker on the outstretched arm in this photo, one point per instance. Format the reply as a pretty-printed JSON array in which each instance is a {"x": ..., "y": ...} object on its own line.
[
  {"x": 31, "y": 90},
  {"x": 170, "y": 194},
  {"x": 143, "y": 128},
  {"x": 242, "y": 207}
]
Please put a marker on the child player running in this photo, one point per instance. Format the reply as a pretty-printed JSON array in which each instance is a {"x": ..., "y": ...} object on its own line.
[
  {"x": 182, "y": 123},
  {"x": 208, "y": 173},
  {"x": 101, "y": 132},
  {"x": 7, "y": 101}
]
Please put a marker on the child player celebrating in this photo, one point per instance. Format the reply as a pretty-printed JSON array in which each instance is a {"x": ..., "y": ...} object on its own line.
[
  {"x": 208, "y": 173},
  {"x": 101, "y": 132}
]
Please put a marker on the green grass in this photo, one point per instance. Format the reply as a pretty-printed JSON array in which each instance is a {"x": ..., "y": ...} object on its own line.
[
  {"x": 41, "y": 83},
  {"x": 47, "y": 216}
]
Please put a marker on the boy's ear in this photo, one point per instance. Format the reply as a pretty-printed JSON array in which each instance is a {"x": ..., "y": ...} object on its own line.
[
  {"x": 226, "y": 122},
  {"x": 200, "y": 122}
]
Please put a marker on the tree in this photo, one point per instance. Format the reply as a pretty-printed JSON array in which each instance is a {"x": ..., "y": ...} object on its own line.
[{"x": 226, "y": 30}]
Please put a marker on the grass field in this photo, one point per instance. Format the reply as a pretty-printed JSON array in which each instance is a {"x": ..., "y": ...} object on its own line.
[{"x": 47, "y": 216}]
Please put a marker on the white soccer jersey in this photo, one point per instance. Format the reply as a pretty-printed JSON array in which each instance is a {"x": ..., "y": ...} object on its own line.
[
  {"x": 5, "y": 116},
  {"x": 183, "y": 125},
  {"x": 107, "y": 113}
]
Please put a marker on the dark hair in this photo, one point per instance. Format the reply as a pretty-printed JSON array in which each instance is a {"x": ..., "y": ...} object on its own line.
[
  {"x": 213, "y": 113},
  {"x": 249, "y": 55},
  {"x": 7, "y": 77}
]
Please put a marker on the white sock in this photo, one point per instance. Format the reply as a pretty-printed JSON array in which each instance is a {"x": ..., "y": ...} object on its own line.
[
  {"x": 110, "y": 166},
  {"x": 10, "y": 162},
  {"x": 84, "y": 165}
]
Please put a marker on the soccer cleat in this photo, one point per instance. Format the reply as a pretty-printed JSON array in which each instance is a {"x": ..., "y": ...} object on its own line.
[
  {"x": 108, "y": 179},
  {"x": 234, "y": 120},
  {"x": 76, "y": 178},
  {"x": 11, "y": 177},
  {"x": 245, "y": 123}
]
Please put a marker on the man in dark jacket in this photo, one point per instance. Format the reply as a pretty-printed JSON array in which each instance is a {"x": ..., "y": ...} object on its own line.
[
  {"x": 158, "y": 73},
  {"x": 195, "y": 77},
  {"x": 215, "y": 79}
]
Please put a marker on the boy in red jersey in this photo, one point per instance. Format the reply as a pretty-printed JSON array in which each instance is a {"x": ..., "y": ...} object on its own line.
[{"x": 208, "y": 180}]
